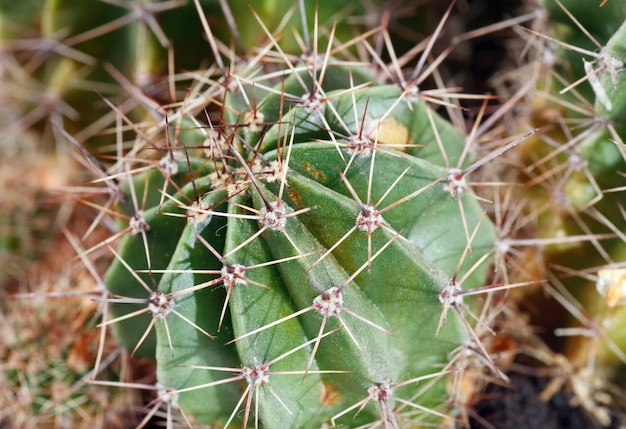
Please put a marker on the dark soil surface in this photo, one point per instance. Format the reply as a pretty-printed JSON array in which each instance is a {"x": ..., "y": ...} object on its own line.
[{"x": 519, "y": 407}]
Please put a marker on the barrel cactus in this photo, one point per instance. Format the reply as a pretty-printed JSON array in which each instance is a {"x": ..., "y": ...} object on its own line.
[
  {"x": 294, "y": 242},
  {"x": 303, "y": 239}
]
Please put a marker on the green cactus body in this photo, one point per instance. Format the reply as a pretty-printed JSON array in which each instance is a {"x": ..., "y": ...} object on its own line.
[{"x": 322, "y": 252}]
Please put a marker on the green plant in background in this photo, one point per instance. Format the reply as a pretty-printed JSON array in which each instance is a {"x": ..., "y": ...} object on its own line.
[{"x": 301, "y": 235}]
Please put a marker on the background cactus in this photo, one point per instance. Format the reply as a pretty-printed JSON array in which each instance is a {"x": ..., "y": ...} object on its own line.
[
  {"x": 296, "y": 223},
  {"x": 572, "y": 209}
]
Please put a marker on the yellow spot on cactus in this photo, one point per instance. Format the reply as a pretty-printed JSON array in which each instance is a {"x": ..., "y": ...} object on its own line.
[
  {"x": 393, "y": 133},
  {"x": 314, "y": 172},
  {"x": 330, "y": 395},
  {"x": 295, "y": 197}
]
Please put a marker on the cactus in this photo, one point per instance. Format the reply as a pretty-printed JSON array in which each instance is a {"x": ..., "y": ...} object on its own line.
[{"x": 296, "y": 246}]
